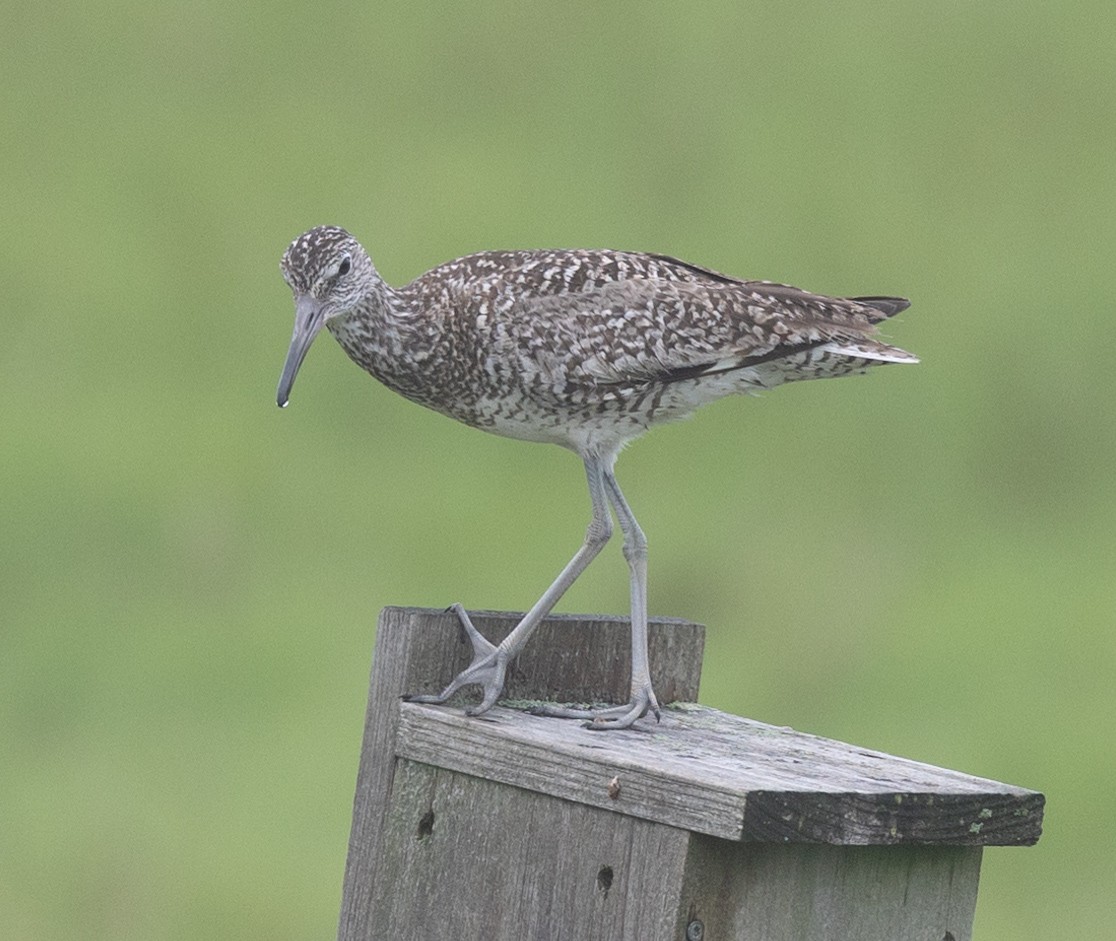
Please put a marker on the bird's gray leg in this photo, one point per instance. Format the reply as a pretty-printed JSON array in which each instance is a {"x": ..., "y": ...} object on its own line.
[
  {"x": 635, "y": 551},
  {"x": 642, "y": 695},
  {"x": 490, "y": 662}
]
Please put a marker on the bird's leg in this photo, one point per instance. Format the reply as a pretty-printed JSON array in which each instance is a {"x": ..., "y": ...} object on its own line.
[
  {"x": 635, "y": 551},
  {"x": 490, "y": 662},
  {"x": 642, "y": 695}
]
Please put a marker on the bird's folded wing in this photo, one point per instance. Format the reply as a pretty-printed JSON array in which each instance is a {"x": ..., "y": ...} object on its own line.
[{"x": 637, "y": 331}]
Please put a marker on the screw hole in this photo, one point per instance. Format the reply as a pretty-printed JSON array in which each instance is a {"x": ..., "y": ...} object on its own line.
[
  {"x": 426, "y": 826},
  {"x": 604, "y": 879}
]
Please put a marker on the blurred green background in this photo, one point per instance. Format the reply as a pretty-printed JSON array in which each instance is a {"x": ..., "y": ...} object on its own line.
[{"x": 920, "y": 561}]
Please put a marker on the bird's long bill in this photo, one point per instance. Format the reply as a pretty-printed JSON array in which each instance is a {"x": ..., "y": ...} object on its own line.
[{"x": 309, "y": 317}]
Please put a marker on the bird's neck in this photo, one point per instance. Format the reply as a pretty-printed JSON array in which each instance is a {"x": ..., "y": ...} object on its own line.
[{"x": 385, "y": 332}]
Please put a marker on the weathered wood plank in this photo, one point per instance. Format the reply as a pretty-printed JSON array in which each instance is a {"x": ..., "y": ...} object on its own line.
[
  {"x": 796, "y": 892},
  {"x": 468, "y": 858},
  {"x": 569, "y": 762},
  {"x": 734, "y": 778},
  {"x": 571, "y": 658}
]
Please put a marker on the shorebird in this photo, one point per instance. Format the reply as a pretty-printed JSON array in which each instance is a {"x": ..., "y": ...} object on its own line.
[{"x": 586, "y": 349}]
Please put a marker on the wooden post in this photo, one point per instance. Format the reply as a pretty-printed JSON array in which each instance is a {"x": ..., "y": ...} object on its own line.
[{"x": 707, "y": 826}]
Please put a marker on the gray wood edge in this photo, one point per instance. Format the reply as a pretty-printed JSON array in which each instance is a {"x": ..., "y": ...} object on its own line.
[{"x": 710, "y": 772}]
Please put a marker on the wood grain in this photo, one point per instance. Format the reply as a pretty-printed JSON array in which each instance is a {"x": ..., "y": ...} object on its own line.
[
  {"x": 729, "y": 777},
  {"x": 570, "y": 658}
]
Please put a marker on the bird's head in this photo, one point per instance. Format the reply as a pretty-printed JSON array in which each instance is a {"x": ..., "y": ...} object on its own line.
[{"x": 329, "y": 274}]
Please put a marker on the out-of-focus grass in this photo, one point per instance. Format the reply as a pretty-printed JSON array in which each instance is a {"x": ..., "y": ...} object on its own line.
[{"x": 920, "y": 561}]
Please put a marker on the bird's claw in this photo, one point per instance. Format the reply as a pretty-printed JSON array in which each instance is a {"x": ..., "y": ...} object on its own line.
[
  {"x": 610, "y": 717},
  {"x": 488, "y": 670}
]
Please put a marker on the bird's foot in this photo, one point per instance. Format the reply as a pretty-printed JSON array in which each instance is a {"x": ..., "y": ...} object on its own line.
[
  {"x": 488, "y": 670},
  {"x": 610, "y": 717}
]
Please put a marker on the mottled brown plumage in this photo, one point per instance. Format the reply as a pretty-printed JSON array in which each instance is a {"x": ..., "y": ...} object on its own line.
[{"x": 582, "y": 348}]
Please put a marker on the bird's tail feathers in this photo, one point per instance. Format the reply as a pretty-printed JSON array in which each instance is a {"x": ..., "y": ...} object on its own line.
[{"x": 888, "y": 306}]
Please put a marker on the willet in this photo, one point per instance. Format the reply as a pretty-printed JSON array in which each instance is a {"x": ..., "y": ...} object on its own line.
[{"x": 585, "y": 349}]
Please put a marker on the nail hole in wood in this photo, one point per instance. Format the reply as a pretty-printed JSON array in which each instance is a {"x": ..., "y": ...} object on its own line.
[
  {"x": 426, "y": 826},
  {"x": 604, "y": 879}
]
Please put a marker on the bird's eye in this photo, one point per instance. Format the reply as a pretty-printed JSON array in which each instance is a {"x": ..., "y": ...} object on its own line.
[{"x": 343, "y": 268}]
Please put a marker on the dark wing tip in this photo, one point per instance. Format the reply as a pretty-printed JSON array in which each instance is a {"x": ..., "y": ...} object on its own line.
[{"x": 888, "y": 306}]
